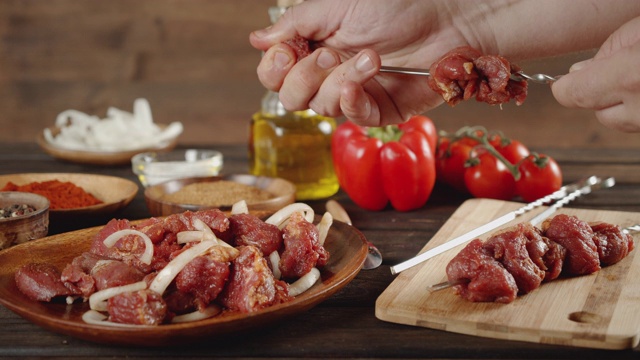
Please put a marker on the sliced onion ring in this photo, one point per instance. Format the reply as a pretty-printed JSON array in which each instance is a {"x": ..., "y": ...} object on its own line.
[
  {"x": 146, "y": 256},
  {"x": 239, "y": 207},
  {"x": 209, "y": 311},
  {"x": 280, "y": 217},
  {"x": 304, "y": 283},
  {"x": 323, "y": 227},
  {"x": 195, "y": 235},
  {"x": 97, "y": 318},
  {"x": 98, "y": 300},
  {"x": 200, "y": 225},
  {"x": 171, "y": 270},
  {"x": 274, "y": 260}
]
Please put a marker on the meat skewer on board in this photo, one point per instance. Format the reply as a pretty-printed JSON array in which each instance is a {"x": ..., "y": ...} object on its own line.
[{"x": 517, "y": 260}]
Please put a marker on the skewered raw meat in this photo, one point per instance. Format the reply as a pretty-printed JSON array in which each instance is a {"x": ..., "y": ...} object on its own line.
[
  {"x": 530, "y": 256},
  {"x": 484, "y": 278},
  {"x": 465, "y": 72},
  {"x": 576, "y": 236}
]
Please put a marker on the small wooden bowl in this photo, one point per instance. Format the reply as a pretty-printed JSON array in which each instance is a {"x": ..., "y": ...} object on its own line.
[
  {"x": 115, "y": 192},
  {"x": 103, "y": 158},
  {"x": 284, "y": 193},
  {"x": 31, "y": 226}
]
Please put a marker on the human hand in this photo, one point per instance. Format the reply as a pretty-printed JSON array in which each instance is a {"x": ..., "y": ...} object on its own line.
[
  {"x": 608, "y": 83},
  {"x": 353, "y": 38}
]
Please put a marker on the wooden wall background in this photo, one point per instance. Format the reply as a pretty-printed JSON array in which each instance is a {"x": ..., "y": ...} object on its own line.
[{"x": 192, "y": 60}]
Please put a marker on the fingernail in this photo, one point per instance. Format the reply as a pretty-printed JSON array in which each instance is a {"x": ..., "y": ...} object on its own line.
[
  {"x": 326, "y": 60},
  {"x": 262, "y": 32},
  {"x": 364, "y": 63},
  {"x": 281, "y": 60},
  {"x": 579, "y": 65}
]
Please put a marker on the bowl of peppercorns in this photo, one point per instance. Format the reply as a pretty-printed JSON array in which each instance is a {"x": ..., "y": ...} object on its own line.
[{"x": 23, "y": 217}]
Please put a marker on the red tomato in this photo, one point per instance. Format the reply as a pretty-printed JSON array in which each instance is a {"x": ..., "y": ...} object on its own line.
[
  {"x": 450, "y": 162},
  {"x": 540, "y": 175},
  {"x": 424, "y": 125},
  {"x": 514, "y": 151},
  {"x": 490, "y": 178}
]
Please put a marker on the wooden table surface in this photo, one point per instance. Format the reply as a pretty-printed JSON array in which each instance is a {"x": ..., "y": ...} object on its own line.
[{"x": 345, "y": 325}]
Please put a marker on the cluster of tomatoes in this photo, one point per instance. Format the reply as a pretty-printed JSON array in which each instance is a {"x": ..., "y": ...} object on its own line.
[{"x": 489, "y": 165}]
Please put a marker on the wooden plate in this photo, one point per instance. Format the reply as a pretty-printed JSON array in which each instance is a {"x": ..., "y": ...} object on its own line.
[
  {"x": 284, "y": 193},
  {"x": 601, "y": 310},
  {"x": 346, "y": 245},
  {"x": 103, "y": 158},
  {"x": 115, "y": 192}
]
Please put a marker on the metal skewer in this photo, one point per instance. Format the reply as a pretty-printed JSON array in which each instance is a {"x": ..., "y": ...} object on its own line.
[
  {"x": 518, "y": 76},
  {"x": 562, "y": 192},
  {"x": 604, "y": 184}
]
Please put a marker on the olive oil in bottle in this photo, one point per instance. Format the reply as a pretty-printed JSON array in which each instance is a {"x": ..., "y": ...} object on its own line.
[{"x": 294, "y": 145}]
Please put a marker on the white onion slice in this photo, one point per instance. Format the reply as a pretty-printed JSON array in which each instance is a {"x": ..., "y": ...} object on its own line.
[
  {"x": 171, "y": 270},
  {"x": 323, "y": 227},
  {"x": 119, "y": 131},
  {"x": 304, "y": 283},
  {"x": 209, "y": 311},
  {"x": 96, "y": 318},
  {"x": 239, "y": 207},
  {"x": 146, "y": 256},
  {"x": 280, "y": 217},
  {"x": 98, "y": 300},
  {"x": 188, "y": 236},
  {"x": 200, "y": 225},
  {"x": 274, "y": 259}
]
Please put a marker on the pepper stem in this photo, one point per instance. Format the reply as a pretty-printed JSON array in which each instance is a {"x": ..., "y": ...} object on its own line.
[{"x": 387, "y": 133}]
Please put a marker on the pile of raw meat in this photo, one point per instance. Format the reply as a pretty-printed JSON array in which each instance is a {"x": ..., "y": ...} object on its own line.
[
  {"x": 519, "y": 259},
  {"x": 182, "y": 264}
]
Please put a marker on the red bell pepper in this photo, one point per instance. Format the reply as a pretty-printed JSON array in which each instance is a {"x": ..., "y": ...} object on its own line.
[{"x": 394, "y": 164}]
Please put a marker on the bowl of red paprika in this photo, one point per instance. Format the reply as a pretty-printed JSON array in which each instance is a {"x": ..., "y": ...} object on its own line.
[
  {"x": 73, "y": 194},
  {"x": 23, "y": 217}
]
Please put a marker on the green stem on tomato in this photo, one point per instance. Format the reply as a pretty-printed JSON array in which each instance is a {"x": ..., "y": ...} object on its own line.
[{"x": 472, "y": 132}]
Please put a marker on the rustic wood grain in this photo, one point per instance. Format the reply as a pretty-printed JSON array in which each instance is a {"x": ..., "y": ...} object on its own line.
[
  {"x": 603, "y": 306},
  {"x": 192, "y": 60},
  {"x": 345, "y": 325}
]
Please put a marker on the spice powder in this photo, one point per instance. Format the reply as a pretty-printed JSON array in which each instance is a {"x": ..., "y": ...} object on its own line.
[{"x": 217, "y": 193}]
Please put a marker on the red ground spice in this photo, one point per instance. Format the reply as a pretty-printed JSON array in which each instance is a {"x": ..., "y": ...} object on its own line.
[{"x": 61, "y": 195}]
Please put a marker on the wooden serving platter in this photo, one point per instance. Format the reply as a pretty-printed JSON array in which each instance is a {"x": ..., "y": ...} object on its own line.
[{"x": 600, "y": 310}]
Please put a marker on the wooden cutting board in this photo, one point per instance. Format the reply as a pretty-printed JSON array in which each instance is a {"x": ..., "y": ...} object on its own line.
[{"x": 600, "y": 310}]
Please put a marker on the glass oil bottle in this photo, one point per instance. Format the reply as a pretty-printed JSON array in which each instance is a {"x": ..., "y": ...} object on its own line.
[{"x": 294, "y": 145}]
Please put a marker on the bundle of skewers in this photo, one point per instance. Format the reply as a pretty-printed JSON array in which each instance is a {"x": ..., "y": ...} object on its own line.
[{"x": 518, "y": 259}]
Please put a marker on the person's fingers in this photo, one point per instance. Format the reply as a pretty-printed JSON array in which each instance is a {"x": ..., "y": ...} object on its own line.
[
  {"x": 591, "y": 87},
  {"x": 304, "y": 79},
  {"x": 619, "y": 117},
  {"x": 360, "y": 69},
  {"x": 357, "y": 105},
  {"x": 596, "y": 83},
  {"x": 305, "y": 19},
  {"x": 275, "y": 65}
]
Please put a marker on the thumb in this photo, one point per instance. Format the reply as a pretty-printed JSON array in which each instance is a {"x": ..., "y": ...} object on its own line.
[{"x": 303, "y": 19}]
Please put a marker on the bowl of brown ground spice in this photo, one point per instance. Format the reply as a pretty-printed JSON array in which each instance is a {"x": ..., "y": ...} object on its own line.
[{"x": 262, "y": 194}]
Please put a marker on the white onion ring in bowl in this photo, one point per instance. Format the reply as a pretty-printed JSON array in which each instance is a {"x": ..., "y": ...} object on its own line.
[
  {"x": 305, "y": 282},
  {"x": 146, "y": 256},
  {"x": 280, "y": 217}
]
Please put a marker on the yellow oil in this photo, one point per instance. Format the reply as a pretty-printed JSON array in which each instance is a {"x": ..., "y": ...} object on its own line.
[{"x": 295, "y": 146}]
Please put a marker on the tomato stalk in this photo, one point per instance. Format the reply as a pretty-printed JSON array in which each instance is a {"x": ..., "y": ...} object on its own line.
[{"x": 480, "y": 135}]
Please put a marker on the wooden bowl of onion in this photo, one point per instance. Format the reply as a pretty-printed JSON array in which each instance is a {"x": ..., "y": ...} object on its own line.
[{"x": 260, "y": 194}]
